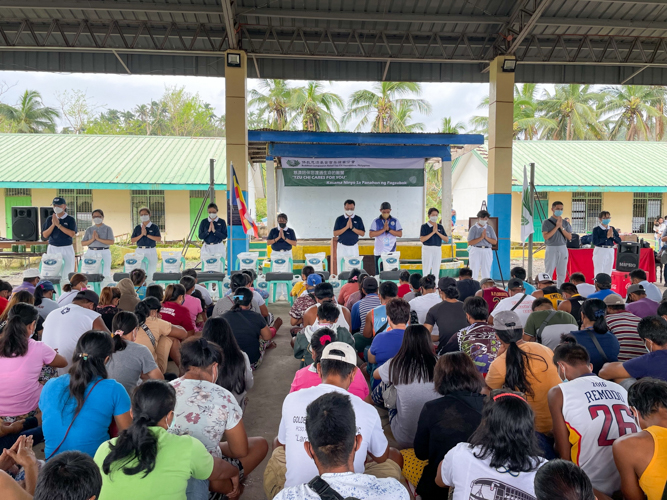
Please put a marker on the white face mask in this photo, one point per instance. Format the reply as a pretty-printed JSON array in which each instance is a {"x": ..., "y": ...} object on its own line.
[
  {"x": 349, "y": 213},
  {"x": 483, "y": 222},
  {"x": 212, "y": 215},
  {"x": 171, "y": 424},
  {"x": 433, "y": 219},
  {"x": 58, "y": 210},
  {"x": 98, "y": 220},
  {"x": 144, "y": 218}
]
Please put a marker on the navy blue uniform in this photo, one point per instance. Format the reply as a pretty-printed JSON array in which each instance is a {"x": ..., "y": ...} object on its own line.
[
  {"x": 145, "y": 241},
  {"x": 218, "y": 236},
  {"x": 600, "y": 237},
  {"x": 58, "y": 238},
  {"x": 435, "y": 240},
  {"x": 281, "y": 245},
  {"x": 349, "y": 238}
]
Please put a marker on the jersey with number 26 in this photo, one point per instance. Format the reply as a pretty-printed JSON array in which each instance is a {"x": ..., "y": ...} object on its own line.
[{"x": 596, "y": 413}]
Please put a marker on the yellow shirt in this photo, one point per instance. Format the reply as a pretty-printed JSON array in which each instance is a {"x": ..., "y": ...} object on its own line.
[
  {"x": 542, "y": 376},
  {"x": 298, "y": 288},
  {"x": 653, "y": 479}
]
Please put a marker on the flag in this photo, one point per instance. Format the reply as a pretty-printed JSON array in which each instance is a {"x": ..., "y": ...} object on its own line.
[
  {"x": 527, "y": 227},
  {"x": 239, "y": 201}
]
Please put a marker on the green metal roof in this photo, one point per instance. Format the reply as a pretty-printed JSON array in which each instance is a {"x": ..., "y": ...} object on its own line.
[
  {"x": 589, "y": 165},
  {"x": 110, "y": 162}
]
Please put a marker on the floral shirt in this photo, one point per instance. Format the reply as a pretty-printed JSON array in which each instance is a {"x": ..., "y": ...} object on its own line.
[{"x": 204, "y": 411}]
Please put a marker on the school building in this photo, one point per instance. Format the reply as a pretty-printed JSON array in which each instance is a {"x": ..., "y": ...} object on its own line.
[
  {"x": 118, "y": 174},
  {"x": 624, "y": 178}
]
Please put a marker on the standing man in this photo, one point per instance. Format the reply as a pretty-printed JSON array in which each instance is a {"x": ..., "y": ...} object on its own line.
[
  {"x": 604, "y": 238},
  {"x": 145, "y": 236},
  {"x": 60, "y": 228},
  {"x": 385, "y": 229},
  {"x": 481, "y": 237},
  {"x": 432, "y": 235},
  {"x": 557, "y": 233},
  {"x": 213, "y": 233},
  {"x": 282, "y": 238},
  {"x": 347, "y": 229}
]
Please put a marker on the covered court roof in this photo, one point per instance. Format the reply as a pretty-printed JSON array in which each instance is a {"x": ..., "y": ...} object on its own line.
[{"x": 584, "y": 41}]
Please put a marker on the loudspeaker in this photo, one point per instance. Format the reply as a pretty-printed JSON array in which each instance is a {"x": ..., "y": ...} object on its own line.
[
  {"x": 24, "y": 224},
  {"x": 44, "y": 213},
  {"x": 627, "y": 256}
]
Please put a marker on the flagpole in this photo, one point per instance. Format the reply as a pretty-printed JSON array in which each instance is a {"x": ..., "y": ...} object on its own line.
[
  {"x": 230, "y": 178},
  {"x": 531, "y": 187}
]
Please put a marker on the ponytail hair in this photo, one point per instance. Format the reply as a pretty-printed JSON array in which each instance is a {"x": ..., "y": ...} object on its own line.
[
  {"x": 427, "y": 282},
  {"x": 20, "y": 297},
  {"x": 39, "y": 293},
  {"x": 143, "y": 309},
  {"x": 517, "y": 362},
  {"x": 91, "y": 350},
  {"x": 231, "y": 373},
  {"x": 124, "y": 322},
  {"x": 594, "y": 310},
  {"x": 173, "y": 292},
  {"x": 242, "y": 297},
  {"x": 14, "y": 339},
  {"x": 320, "y": 339},
  {"x": 238, "y": 280},
  {"x": 451, "y": 291},
  {"x": 151, "y": 402},
  {"x": 75, "y": 280}
]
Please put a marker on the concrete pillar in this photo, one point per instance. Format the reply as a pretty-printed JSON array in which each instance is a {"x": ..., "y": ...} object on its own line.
[
  {"x": 237, "y": 147},
  {"x": 271, "y": 192},
  {"x": 501, "y": 119},
  {"x": 446, "y": 205}
]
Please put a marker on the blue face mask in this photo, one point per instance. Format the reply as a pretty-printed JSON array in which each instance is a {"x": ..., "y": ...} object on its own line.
[
  {"x": 558, "y": 213},
  {"x": 606, "y": 221}
]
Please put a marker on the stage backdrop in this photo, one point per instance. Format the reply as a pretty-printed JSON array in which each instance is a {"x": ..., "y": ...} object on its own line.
[{"x": 311, "y": 191}]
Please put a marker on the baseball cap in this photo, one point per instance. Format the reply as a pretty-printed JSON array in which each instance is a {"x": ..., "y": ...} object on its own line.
[
  {"x": 514, "y": 283},
  {"x": 33, "y": 272},
  {"x": 59, "y": 200},
  {"x": 313, "y": 279},
  {"x": 46, "y": 285},
  {"x": 543, "y": 277},
  {"x": 445, "y": 282},
  {"x": 614, "y": 299},
  {"x": 509, "y": 321},
  {"x": 88, "y": 295},
  {"x": 348, "y": 353},
  {"x": 635, "y": 288},
  {"x": 603, "y": 279},
  {"x": 484, "y": 281},
  {"x": 370, "y": 285}
]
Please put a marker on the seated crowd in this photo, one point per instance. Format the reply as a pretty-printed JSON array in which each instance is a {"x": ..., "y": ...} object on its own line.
[{"x": 546, "y": 392}]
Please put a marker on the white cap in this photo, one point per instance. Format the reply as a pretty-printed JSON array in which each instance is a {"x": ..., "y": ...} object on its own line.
[
  {"x": 33, "y": 272},
  {"x": 349, "y": 354},
  {"x": 544, "y": 277}
]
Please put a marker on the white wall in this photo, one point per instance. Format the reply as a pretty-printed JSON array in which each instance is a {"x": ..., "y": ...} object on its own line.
[
  {"x": 312, "y": 211},
  {"x": 469, "y": 183}
]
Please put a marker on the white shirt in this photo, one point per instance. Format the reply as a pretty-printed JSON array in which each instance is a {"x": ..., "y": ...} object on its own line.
[
  {"x": 204, "y": 293},
  {"x": 67, "y": 298},
  {"x": 421, "y": 306},
  {"x": 350, "y": 484},
  {"x": 63, "y": 328},
  {"x": 652, "y": 291},
  {"x": 585, "y": 289},
  {"x": 292, "y": 432},
  {"x": 475, "y": 478},
  {"x": 523, "y": 310}
]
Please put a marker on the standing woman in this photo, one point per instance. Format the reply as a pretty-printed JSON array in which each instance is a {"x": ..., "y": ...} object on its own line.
[
  {"x": 605, "y": 237},
  {"x": 99, "y": 238},
  {"x": 145, "y": 236},
  {"x": 282, "y": 238},
  {"x": 432, "y": 235},
  {"x": 213, "y": 233}
]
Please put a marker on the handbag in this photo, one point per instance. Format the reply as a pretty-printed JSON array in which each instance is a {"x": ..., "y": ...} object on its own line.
[
  {"x": 597, "y": 346},
  {"x": 538, "y": 334}
]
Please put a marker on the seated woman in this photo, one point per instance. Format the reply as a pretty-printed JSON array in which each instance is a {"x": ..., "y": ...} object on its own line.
[
  {"x": 76, "y": 283},
  {"x": 355, "y": 297},
  {"x": 235, "y": 373},
  {"x": 250, "y": 329},
  {"x": 601, "y": 344},
  {"x": 502, "y": 453},
  {"x": 220, "y": 416},
  {"x": 308, "y": 376},
  {"x": 155, "y": 291},
  {"x": 174, "y": 311},
  {"x": 78, "y": 407},
  {"x": 130, "y": 362},
  {"x": 138, "y": 278},
  {"x": 21, "y": 362},
  {"x": 449, "y": 420},
  {"x": 304, "y": 301},
  {"x": 327, "y": 317},
  {"x": 128, "y": 295},
  {"x": 161, "y": 338},
  {"x": 193, "y": 304},
  {"x": 21, "y": 297},
  {"x": 44, "y": 302},
  {"x": 350, "y": 287},
  {"x": 410, "y": 372},
  {"x": 146, "y": 461},
  {"x": 108, "y": 304}
]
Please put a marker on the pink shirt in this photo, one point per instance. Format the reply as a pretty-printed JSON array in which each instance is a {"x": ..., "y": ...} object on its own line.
[
  {"x": 193, "y": 305},
  {"x": 305, "y": 378},
  {"x": 20, "y": 388}
]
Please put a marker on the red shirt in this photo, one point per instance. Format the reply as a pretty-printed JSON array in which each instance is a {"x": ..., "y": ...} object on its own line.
[
  {"x": 493, "y": 295},
  {"x": 403, "y": 289},
  {"x": 177, "y": 314},
  {"x": 3, "y": 304}
]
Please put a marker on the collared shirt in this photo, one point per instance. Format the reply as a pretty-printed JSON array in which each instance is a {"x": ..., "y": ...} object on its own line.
[
  {"x": 600, "y": 237},
  {"x": 219, "y": 233},
  {"x": 557, "y": 239},
  {"x": 652, "y": 291},
  {"x": 145, "y": 241},
  {"x": 435, "y": 240},
  {"x": 281, "y": 245},
  {"x": 385, "y": 242},
  {"x": 103, "y": 232},
  {"x": 58, "y": 238},
  {"x": 476, "y": 232},
  {"x": 349, "y": 238}
]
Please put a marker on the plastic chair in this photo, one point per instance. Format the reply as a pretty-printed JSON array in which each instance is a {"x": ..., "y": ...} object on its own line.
[
  {"x": 93, "y": 279},
  {"x": 352, "y": 262},
  {"x": 165, "y": 278},
  {"x": 273, "y": 279},
  {"x": 54, "y": 279},
  {"x": 390, "y": 275}
]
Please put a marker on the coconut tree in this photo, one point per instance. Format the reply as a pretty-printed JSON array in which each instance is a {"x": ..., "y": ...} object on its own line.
[
  {"x": 402, "y": 120},
  {"x": 633, "y": 111},
  {"x": 379, "y": 106},
  {"x": 30, "y": 115},
  {"x": 315, "y": 108},
  {"x": 448, "y": 127},
  {"x": 574, "y": 109},
  {"x": 274, "y": 100}
]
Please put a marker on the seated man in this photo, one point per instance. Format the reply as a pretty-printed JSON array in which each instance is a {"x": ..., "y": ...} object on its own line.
[
  {"x": 639, "y": 304},
  {"x": 324, "y": 292},
  {"x": 415, "y": 278},
  {"x": 602, "y": 287},
  {"x": 638, "y": 277},
  {"x": 491, "y": 293},
  {"x": 376, "y": 319},
  {"x": 360, "y": 309},
  {"x": 404, "y": 283},
  {"x": 303, "y": 302},
  {"x": 653, "y": 331},
  {"x": 467, "y": 286},
  {"x": 572, "y": 301},
  {"x": 518, "y": 301},
  {"x": 386, "y": 344},
  {"x": 640, "y": 458},
  {"x": 579, "y": 280},
  {"x": 546, "y": 325},
  {"x": 547, "y": 289},
  {"x": 332, "y": 444},
  {"x": 520, "y": 273},
  {"x": 327, "y": 317},
  {"x": 291, "y": 465},
  {"x": 623, "y": 325}
]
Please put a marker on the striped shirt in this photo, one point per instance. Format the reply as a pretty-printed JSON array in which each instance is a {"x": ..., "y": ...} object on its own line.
[
  {"x": 367, "y": 304},
  {"x": 624, "y": 326}
]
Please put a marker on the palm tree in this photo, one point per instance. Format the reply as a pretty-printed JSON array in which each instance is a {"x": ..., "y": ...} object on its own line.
[
  {"x": 448, "y": 127},
  {"x": 574, "y": 111},
  {"x": 275, "y": 102},
  {"x": 401, "y": 122},
  {"x": 381, "y": 105},
  {"x": 30, "y": 115},
  {"x": 633, "y": 111},
  {"x": 315, "y": 108}
]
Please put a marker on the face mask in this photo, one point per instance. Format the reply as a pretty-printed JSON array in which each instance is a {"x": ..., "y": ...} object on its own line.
[
  {"x": 558, "y": 213},
  {"x": 606, "y": 221},
  {"x": 144, "y": 218},
  {"x": 433, "y": 219},
  {"x": 58, "y": 210},
  {"x": 212, "y": 216},
  {"x": 562, "y": 377},
  {"x": 386, "y": 216},
  {"x": 171, "y": 424},
  {"x": 215, "y": 375},
  {"x": 647, "y": 348},
  {"x": 349, "y": 213},
  {"x": 483, "y": 222},
  {"x": 84, "y": 288},
  {"x": 283, "y": 225},
  {"x": 98, "y": 220}
]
